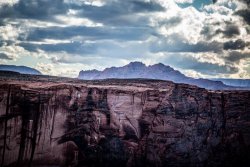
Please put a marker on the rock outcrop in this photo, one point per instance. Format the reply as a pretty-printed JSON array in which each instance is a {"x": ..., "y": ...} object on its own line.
[{"x": 129, "y": 123}]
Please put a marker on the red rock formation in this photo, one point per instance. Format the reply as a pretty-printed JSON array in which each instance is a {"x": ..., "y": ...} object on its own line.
[{"x": 122, "y": 123}]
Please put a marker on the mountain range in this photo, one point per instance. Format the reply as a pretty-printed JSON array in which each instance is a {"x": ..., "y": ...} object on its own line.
[
  {"x": 20, "y": 69},
  {"x": 139, "y": 70},
  {"x": 234, "y": 82},
  {"x": 158, "y": 71}
]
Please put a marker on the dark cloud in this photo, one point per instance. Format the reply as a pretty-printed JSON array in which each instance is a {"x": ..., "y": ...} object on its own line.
[
  {"x": 94, "y": 33},
  {"x": 230, "y": 31},
  {"x": 40, "y": 8},
  {"x": 246, "y": 1},
  {"x": 208, "y": 32},
  {"x": 4, "y": 56},
  {"x": 176, "y": 43},
  {"x": 6, "y": 42},
  {"x": 245, "y": 14},
  {"x": 118, "y": 14},
  {"x": 235, "y": 56},
  {"x": 214, "y": 69},
  {"x": 234, "y": 45},
  {"x": 2, "y": 43},
  {"x": 70, "y": 47},
  {"x": 34, "y": 9},
  {"x": 170, "y": 23},
  {"x": 189, "y": 62},
  {"x": 111, "y": 13},
  {"x": 6, "y": 11}
]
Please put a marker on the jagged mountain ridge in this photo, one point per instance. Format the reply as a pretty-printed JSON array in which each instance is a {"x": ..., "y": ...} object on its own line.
[
  {"x": 20, "y": 69},
  {"x": 156, "y": 71}
]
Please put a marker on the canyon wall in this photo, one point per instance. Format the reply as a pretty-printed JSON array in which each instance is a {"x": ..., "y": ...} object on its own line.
[{"x": 126, "y": 124}]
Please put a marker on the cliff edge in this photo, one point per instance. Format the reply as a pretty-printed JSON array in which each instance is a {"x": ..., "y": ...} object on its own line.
[{"x": 126, "y": 123}]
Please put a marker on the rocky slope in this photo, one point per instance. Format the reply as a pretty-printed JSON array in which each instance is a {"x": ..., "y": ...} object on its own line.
[
  {"x": 156, "y": 71},
  {"x": 126, "y": 123}
]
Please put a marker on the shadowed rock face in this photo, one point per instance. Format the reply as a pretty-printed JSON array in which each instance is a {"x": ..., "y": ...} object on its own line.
[{"x": 122, "y": 123}]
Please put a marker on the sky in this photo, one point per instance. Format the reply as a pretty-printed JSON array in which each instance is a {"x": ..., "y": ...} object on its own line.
[{"x": 201, "y": 38}]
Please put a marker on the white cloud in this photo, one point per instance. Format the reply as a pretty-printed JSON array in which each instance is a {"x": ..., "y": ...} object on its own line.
[
  {"x": 184, "y": 1},
  {"x": 12, "y": 51},
  {"x": 63, "y": 69},
  {"x": 89, "y": 2},
  {"x": 194, "y": 74},
  {"x": 76, "y": 21},
  {"x": 9, "y": 32},
  {"x": 8, "y": 2}
]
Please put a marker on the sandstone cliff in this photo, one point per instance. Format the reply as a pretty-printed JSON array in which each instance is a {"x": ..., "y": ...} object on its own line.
[{"x": 122, "y": 123}]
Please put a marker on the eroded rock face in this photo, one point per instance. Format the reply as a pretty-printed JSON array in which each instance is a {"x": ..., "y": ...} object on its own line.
[{"x": 130, "y": 124}]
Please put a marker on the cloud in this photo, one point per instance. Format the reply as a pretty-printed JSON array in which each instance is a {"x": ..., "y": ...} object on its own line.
[
  {"x": 184, "y": 1},
  {"x": 112, "y": 12},
  {"x": 94, "y": 33},
  {"x": 235, "y": 56},
  {"x": 176, "y": 43},
  {"x": 171, "y": 22},
  {"x": 204, "y": 63},
  {"x": 5, "y": 56},
  {"x": 230, "y": 31},
  {"x": 245, "y": 14},
  {"x": 38, "y": 9},
  {"x": 234, "y": 45},
  {"x": 245, "y": 1},
  {"x": 9, "y": 33},
  {"x": 69, "y": 47}
]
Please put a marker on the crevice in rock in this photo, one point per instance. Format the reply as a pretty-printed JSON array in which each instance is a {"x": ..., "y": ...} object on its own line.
[
  {"x": 224, "y": 119},
  {"x": 36, "y": 114},
  {"x": 25, "y": 109},
  {"x": 6, "y": 124}
]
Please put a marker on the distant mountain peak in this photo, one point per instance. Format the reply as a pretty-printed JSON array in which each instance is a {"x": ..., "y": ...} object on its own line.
[
  {"x": 136, "y": 64},
  {"x": 161, "y": 66},
  {"x": 157, "y": 71}
]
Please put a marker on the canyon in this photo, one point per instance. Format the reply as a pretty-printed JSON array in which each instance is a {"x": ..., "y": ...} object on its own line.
[{"x": 51, "y": 121}]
